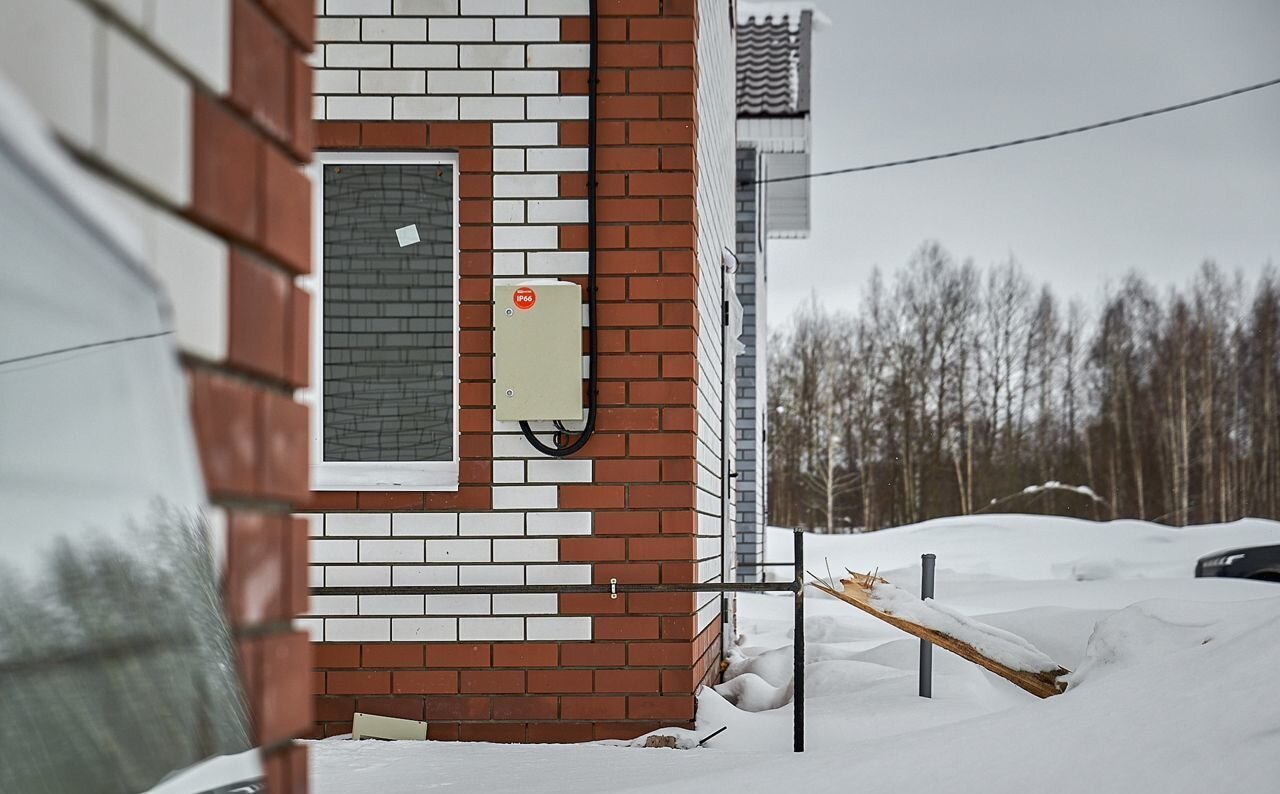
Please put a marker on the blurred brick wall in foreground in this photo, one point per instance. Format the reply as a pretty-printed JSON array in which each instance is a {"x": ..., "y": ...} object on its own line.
[{"x": 195, "y": 115}]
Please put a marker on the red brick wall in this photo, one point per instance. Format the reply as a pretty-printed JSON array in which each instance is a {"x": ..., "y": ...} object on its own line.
[
  {"x": 248, "y": 188},
  {"x": 647, "y": 657}
]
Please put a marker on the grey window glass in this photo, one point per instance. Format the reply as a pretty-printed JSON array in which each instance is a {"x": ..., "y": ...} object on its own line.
[
  {"x": 388, "y": 312},
  {"x": 116, "y": 662}
]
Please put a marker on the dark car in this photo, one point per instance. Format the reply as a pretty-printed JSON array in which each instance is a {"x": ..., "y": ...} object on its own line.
[
  {"x": 117, "y": 667},
  {"x": 1256, "y": 562}
]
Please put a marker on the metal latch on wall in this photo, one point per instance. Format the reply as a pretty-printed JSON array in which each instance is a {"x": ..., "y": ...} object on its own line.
[{"x": 613, "y": 589}]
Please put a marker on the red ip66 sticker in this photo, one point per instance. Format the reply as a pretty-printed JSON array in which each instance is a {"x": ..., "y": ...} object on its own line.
[{"x": 524, "y": 298}]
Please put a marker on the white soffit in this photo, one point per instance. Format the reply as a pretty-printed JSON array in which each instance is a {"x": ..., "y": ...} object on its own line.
[{"x": 774, "y": 134}]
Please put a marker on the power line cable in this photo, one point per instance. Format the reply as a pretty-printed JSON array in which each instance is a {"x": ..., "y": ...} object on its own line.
[
  {"x": 1020, "y": 141},
  {"x": 88, "y": 346}
]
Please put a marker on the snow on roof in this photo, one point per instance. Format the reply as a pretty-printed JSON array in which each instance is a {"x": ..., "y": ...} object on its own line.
[
  {"x": 773, "y": 57},
  {"x": 779, "y": 10}
]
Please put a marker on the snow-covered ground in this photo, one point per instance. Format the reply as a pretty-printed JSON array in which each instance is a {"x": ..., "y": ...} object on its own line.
[{"x": 1174, "y": 688}]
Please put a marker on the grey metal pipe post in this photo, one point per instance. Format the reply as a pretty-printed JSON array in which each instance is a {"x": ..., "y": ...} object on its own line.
[
  {"x": 926, "y": 648},
  {"x": 798, "y": 645}
]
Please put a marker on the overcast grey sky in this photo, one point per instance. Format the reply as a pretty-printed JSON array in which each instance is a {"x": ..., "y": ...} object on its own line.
[{"x": 900, "y": 78}]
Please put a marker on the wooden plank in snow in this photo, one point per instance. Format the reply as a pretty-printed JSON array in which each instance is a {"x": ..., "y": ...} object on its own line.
[{"x": 857, "y": 591}]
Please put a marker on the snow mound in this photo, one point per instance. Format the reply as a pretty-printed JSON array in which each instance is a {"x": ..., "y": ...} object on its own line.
[
  {"x": 1054, "y": 485},
  {"x": 685, "y": 739},
  {"x": 1027, "y": 547},
  {"x": 774, "y": 666},
  {"x": 1150, "y": 632},
  {"x": 750, "y": 692},
  {"x": 1173, "y": 690}
]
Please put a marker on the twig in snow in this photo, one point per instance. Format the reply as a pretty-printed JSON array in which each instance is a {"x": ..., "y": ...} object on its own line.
[{"x": 713, "y": 735}]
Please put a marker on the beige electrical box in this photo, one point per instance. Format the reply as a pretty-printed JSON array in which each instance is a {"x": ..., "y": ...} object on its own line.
[{"x": 537, "y": 351}]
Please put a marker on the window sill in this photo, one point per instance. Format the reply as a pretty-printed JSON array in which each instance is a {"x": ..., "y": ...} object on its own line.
[{"x": 426, "y": 476}]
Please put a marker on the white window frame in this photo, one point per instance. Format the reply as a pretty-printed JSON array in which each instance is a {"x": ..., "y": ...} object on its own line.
[{"x": 428, "y": 475}]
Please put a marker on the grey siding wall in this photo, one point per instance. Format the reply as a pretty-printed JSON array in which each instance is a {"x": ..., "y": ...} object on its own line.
[{"x": 751, "y": 397}]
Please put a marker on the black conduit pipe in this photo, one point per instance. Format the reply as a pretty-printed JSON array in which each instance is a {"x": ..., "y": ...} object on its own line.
[{"x": 593, "y": 69}]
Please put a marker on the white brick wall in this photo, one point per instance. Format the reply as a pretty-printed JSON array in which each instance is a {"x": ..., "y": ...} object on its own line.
[
  {"x": 424, "y": 629},
  {"x": 561, "y": 56},
  {"x": 147, "y": 126},
  {"x": 578, "y": 628},
  {"x": 335, "y": 551},
  {"x": 356, "y": 55},
  {"x": 526, "y": 29},
  {"x": 491, "y": 524},
  {"x": 51, "y": 52},
  {"x": 357, "y": 629},
  {"x": 487, "y": 60},
  {"x": 525, "y": 185},
  {"x": 525, "y": 604},
  {"x": 491, "y": 574},
  {"x": 716, "y": 206},
  {"x": 423, "y": 108},
  {"x": 538, "y": 134},
  {"x": 502, "y": 547},
  {"x": 459, "y": 550},
  {"x": 565, "y": 523},
  {"x": 558, "y": 7},
  {"x": 356, "y": 575},
  {"x": 485, "y": 629},
  {"x": 358, "y": 524},
  {"x": 357, "y": 6},
  {"x": 197, "y": 34},
  {"x": 424, "y": 575},
  {"x": 391, "y": 605},
  {"x": 459, "y": 605},
  {"x": 559, "y": 470},
  {"x": 430, "y": 56},
  {"x": 358, "y": 107},
  {"x": 525, "y": 550},
  {"x": 557, "y": 160},
  {"x": 393, "y": 81},
  {"x": 558, "y": 574},
  {"x": 57, "y": 52},
  {"x": 425, "y": 524},
  {"x": 391, "y": 551}
]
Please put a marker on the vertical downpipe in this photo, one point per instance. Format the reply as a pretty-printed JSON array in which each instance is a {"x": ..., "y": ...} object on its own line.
[
  {"x": 798, "y": 644},
  {"x": 563, "y": 447}
]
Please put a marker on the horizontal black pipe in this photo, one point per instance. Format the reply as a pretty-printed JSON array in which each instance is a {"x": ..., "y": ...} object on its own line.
[{"x": 706, "y": 587}]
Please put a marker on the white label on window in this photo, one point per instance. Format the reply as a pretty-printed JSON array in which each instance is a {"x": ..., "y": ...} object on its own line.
[{"x": 408, "y": 235}]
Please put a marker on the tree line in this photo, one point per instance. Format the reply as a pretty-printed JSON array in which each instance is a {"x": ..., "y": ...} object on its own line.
[{"x": 957, "y": 389}]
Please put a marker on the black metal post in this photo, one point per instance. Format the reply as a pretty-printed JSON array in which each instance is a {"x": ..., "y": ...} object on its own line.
[
  {"x": 926, "y": 648},
  {"x": 798, "y": 645}
]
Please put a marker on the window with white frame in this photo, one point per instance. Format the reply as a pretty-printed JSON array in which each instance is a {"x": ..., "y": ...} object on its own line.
[{"x": 385, "y": 334}]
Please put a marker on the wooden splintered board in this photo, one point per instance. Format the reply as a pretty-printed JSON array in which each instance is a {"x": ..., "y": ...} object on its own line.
[{"x": 857, "y": 591}]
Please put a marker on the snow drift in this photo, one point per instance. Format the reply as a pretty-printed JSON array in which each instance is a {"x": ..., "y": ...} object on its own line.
[{"x": 1173, "y": 690}]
